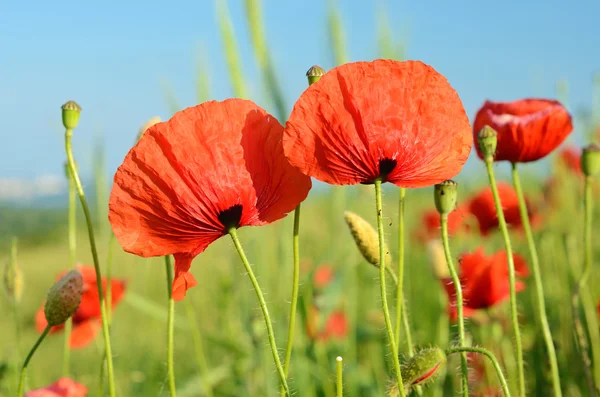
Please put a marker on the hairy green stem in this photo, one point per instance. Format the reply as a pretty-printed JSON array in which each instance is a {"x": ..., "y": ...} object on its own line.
[
  {"x": 382, "y": 267},
  {"x": 28, "y": 358},
  {"x": 490, "y": 356},
  {"x": 339, "y": 373},
  {"x": 459, "y": 304},
  {"x": 198, "y": 347},
  {"x": 539, "y": 288},
  {"x": 399, "y": 291},
  {"x": 489, "y": 162},
  {"x": 170, "y": 326},
  {"x": 72, "y": 222},
  {"x": 263, "y": 306},
  {"x": 90, "y": 227},
  {"x": 295, "y": 288}
]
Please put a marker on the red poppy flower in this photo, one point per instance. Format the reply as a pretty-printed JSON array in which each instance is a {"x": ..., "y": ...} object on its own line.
[
  {"x": 457, "y": 222},
  {"x": 64, "y": 387},
  {"x": 528, "y": 129},
  {"x": 189, "y": 180},
  {"x": 87, "y": 318},
  {"x": 323, "y": 276},
  {"x": 483, "y": 208},
  {"x": 398, "y": 121},
  {"x": 334, "y": 327},
  {"x": 570, "y": 158},
  {"x": 484, "y": 281}
]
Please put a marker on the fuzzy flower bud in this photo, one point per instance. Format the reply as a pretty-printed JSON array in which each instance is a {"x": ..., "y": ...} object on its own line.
[
  {"x": 420, "y": 369},
  {"x": 444, "y": 195},
  {"x": 70, "y": 114},
  {"x": 148, "y": 124},
  {"x": 13, "y": 282},
  {"x": 590, "y": 160},
  {"x": 63, "y": 298},
  {"x": 366, "y": 238},
  {"x": 487, "y": 139},
  {"x": 314, "y": 74}
]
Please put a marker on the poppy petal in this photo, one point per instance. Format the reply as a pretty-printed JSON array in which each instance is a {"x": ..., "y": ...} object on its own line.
[
  {"x": 183, "y": 279},
  {"x": 401, "y": 121},
  {"x": 84, "y": 333}
]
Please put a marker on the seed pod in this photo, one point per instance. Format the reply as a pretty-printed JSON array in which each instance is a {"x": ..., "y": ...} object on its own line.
[
  {"x": 444, "y": 195},
  {"x": 314, "y": 74},
  {"x": 590, "y": 160},
  {"x": 64, "y": 298},
  {"x": 487, "y": 139},
  {"x": 366, "y": 238},
  {"x": 70, "y": 115},
  {"x": 421, "y": 369},
  {"x": 148, "y": 124}
]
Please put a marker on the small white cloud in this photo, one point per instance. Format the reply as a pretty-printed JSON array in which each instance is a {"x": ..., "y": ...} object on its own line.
[{"x": 12, "y": 189}]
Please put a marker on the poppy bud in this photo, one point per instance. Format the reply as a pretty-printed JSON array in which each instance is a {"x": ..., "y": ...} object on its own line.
[
  {"x": 420, "y": 369},
  {"x": 148, "y": 124},
  {"x": 487, "y": 139},
  {"x": 444, "y": 195},
  {"x": 70, "y": 114},
  {"x": 366, "y": 238},
  {"x": 63, "y": 298},
  {"x": 590, "y": 160},
  {"x": 13, "y": 282},
  {"x": 314, "y": 74}
]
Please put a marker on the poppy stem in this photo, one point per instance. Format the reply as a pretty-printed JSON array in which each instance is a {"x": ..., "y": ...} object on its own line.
[
  {"x": 263, "y": 306},
  {"x": 489, "y": 162},
  {"x": 198, "y": 346},
  {"x": 90, "y": 227},
  {"x": 28, "y": 358},
  {"x": 400, "y": 291},
  {"x": 459, "y": 303},
  {"x": 72, "y": 221},
  {"x": 339, "y": 371},
  {"x": 170, "y": 326},
  {"x": 490, "y": 356},
  {"x": 295, "y": 288},
  {"x": 539, "y": 288},
  {"x": 575, "y": 299},
  {"x": 382, "y": 267}
]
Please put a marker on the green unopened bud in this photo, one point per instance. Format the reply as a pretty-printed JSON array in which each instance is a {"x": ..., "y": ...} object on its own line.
[
  {"x": 13, "y": 282},
  {"x": 444, "y": 195},
  {"x": 63, "y": 298},
  {"x": 366, "y": 238},
  {"x": 422, "y": 368},
  {"x": 487, "y": 139},
  {"x": 70, "y": 115},
  {"x": 590, "y": 160},
  {"x": 314, "y": 74}
]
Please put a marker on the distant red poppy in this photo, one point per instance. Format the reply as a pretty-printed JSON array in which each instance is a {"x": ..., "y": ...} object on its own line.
[
  {"x": 528, "y": 129},
  {"x": 570, "y": 158},
  {"x": 189, "y": 180},
  {"x": 398, "y": 121},
  {"x": 484, "y": 281},
  {"x": 483, "y": 208},
  {"x": 64, "y": 387},
  {"x": 87, "y": 318},
  {"x": 334, "y": 327},
  {"x": 323, "y": 276},
  {"x": 431, "y": 227}
]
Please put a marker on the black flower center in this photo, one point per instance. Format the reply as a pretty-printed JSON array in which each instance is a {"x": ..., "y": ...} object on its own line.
[
  {"x": 386, "y": 166},
  {"x": 230, "y": 218}
]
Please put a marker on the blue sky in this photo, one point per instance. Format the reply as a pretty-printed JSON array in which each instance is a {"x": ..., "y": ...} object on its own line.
[{"x": 115, "y": 58}]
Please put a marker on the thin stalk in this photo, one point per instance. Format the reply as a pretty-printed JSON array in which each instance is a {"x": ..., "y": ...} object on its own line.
[
  {"x": 28, "y": 358},
  {"x": 263, "y": 307},
  {"x": 579, "y": 286},
  {"x": 511, "y": 275},
  {"x": 386, "y": 312},
  {"x": 111, "y": 245},
  {"x": 90, "y": 227},
  {"x": 491, "y": 357},
  {"x": 170, "y": 327},
  {"x": 295, "y": 288},
  {"x": 72, "y": 222},
  {"x": 339, "y": 371},
  {"x": 399, "y": 291},
  {"x": 459, "y": 304},
  {"x": 198, "y": 347},
  {"x": 539, "y": 287}
]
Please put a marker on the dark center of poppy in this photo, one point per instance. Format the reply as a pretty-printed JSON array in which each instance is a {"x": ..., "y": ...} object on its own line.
[
  {"x": 230, "y": 218},
  {"x": 386, "y": 166}
]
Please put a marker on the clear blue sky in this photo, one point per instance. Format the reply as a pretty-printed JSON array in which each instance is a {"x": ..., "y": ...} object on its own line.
[{"x": 113, "y": 56}]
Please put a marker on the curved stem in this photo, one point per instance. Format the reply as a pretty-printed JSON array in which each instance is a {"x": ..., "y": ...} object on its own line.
[
  {"x": 90, "y": 227},
  {"x": 72, "y": 221},
  {"x": 539, "y": 288},
  {"x": 339, "y": 372},
  {"x": 200, "y": 356},
  {"x": 170, "y": 326},
  {"x": 511, "y": 275},
  {"x": 28, "y": 358},
  {"x": 459, "y": 303},
  {"x": 295, "y": 287},
  {"x": 489, "y": 355},
  {"x": 382, "y": 266},
  {"x": 263, "y": 306},
  {"x": 399, "y": 291}
]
